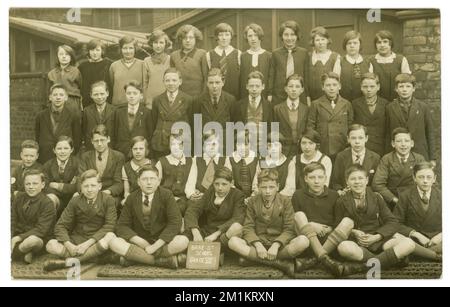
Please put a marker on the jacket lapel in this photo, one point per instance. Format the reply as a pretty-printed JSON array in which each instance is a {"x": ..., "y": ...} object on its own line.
[
  {"x": 244, "y": 109},
  {"x": 414, "y": 112},
  {"x": 397, "y": 110},
  {"x": 416, "y": 204},
  {"x": 284, "y": 112},
  {"x": 108, "y": 163},
  {"x": 302, "y": 113},
  {"x": 156, "y": 207},
  {"x": 323, "y": 103},
  {"x": 137, "y": 205},
  {"x": 340, "y": 105}
]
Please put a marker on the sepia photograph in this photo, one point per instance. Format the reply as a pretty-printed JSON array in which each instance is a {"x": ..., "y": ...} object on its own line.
[{"x": 225, "y": 144}]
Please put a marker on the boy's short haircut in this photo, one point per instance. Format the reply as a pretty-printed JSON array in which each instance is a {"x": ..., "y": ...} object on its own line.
[
  {"x": 223, "y": 173},
  {"x": 29, "y": 144},
  {"x": 400, "y": 130},
  {"x": 157, "y": 35},
  {"x": 213, "y": 72},
  {"x": 256, "y": 28},
  {"x": 98, "y": 84},
  {"x": 384, "y": 34},
  {"x": 172, "y": 70},
  {"x": 268, "y": 174},
  {"x": 256, "y": 75},
  {"x": 330, "y": 75},
  {"x": 311, "y": 135},
  {"x": 148, "y": 168},
  {"x": 57, "y": 86},
  {"x": 100, "y": 130},
  {"x": 423, "y": 165},
  {"x": 183, "y": 31},
  {"x": 321, "y": 31},
  {"x": 94, "y": 43},
  {"x": 295, "y": 77},
  {"x": 223, "y": 27},
  {"x": 355, "y": 127},
  {"x": 208, "y": 134},
  {"x": 352, "y": 35},
  {"x": 405, "y": 78},
  {"x": 313, "y": 166},
  {"x": 33, "y": 172},
  {"x": 370, "y": 76},
  {"x": 355, "y": 168},
  {"x": 137, "y": 85},
  {"x": 290, "y": 24},
  {"x": 90, "y": 173},
  {"x": 64, "y": 138}
]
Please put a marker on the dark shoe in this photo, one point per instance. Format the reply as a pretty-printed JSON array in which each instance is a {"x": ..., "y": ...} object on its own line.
[
  {"x": 403, "y": 263},
  {"x": 108, "y": 258},
  {"x": 125, "y": 262},
  {"x": 181, "y": 259},
  {"x": 245, "y": 262},
  {"x": 52, "y": 265},
  {"x": 16, "y": 254},
  {"x": 221, "y": 259},
  {"x": 305, "y": 264},
  {"x": 334, "y": 267},
  {"x": 354, "y": 268},
  {"x": 285, "y": 266},
  {"x": 28, "y": 258},
  {"x": 167, "y": 262}
]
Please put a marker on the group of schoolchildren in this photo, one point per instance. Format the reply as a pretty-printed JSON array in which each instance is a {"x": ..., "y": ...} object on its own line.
[{"x": 107, "y": 179}]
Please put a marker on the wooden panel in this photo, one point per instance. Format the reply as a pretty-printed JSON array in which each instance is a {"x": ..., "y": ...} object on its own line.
[
  {"x": 22, "y": 49},
  {"x": 368, "y": 31},
  {"x": 262, "y": 18}
]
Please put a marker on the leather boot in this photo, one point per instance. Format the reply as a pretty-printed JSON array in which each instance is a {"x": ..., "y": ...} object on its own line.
[
  {"x": 285, "y": 266},
  {"x": 354, "y": 268},
  {"x": 245, "y": 262},
  {"x": 334, "y": 267},
  {"x": 304, "y": 264},
  {"x": 181, "y": 259},
  {"x": 167, "y": 262},
  {"x": 52, "y": 265}
]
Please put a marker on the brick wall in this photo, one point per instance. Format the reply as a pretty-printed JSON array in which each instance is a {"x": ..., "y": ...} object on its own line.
[
  {"x": 27, "y": 98},
  {"x": 422, "y": 46}
]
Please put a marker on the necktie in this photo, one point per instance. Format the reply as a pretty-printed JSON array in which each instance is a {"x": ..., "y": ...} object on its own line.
[
  {"x": 357, "y": 159},
  {"x": 215, "y": 102},
  {"x": 253, "y": 102},
  {"x": 100, "y": 156},
  {"x": 61, "y": 169},
  {"x": 360, "y": 203},
  {"x": 171, "y": 98},
  {"x": 101, "y": 116},
  {"x": 245, "y": 180},
  {"x": 290, "y": 64},
  {"x": 333, "y": 104},
  {"x": 26, "y": 207},
  {"x": 293, "y": 106},
  {"x": 208, "y": 178},
  {"x": 223, "y": 63},
  {"x": 425, "y": 198},
  {"x": 131, "y": 117},
  {"x": 146, "y": 201}
]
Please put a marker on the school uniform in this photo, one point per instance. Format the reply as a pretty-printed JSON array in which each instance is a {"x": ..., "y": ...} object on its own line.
[
  {"x": 128, "y": 124},
  {"x": 153, "y": 81},
  {"x": 92, "y": 117},
  {"x": 222, "y": 113},
  {"x": 32, "y": 216},
  {"x": 65, "y": 174},
  {"x": 317, "y": 65},
  {"x": 293, "y": 118},
  {"x": 286, "y": 174},
  {"x": 254, "y": 61},
  {"x": 228, "y": 61},
  {"x": 373, "y": 218},
  {"x": 130, "y": 174},
  {"x": 269, "y": 226},
  {"x": 393, "y": 176},
  {"x": 418, "y": 119},
  {"x": 387, "y": 68},
  {"x": 374, "y": 119},
  {"x": 17, "y": 176},
  {"x": 352, "y": 71},
  {"x": 50, "y": 125},
  {"x": 202, "y": 175},
  {"x": 120, "y": 74},
  {"x": 164, "y": 114},
  {"x": 82, "y": 221},
  {"x": 92, "y": 72},
  {"x": 369, "y": 160},
  {"x": 212, "y": 214},
  {"x": 331, "y": 123},
  {"x": 301, "y": 163},
  {"x": 109, "y": 170},
  {"x": 416, "y": 214},
  {"x": 192, "y": 72},
  {"x": 259, "y": 111},
  {"x": 70, "y": 78},
  {"x": 244, "y": 171},
  {"x": 317, "y": 208},
  {"x": 160, "y": 220},
  {"x": 278, "y": 74}
]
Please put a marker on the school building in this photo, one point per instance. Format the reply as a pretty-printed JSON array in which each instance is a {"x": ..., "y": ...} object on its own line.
[{"x": 35, "y": 34}]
